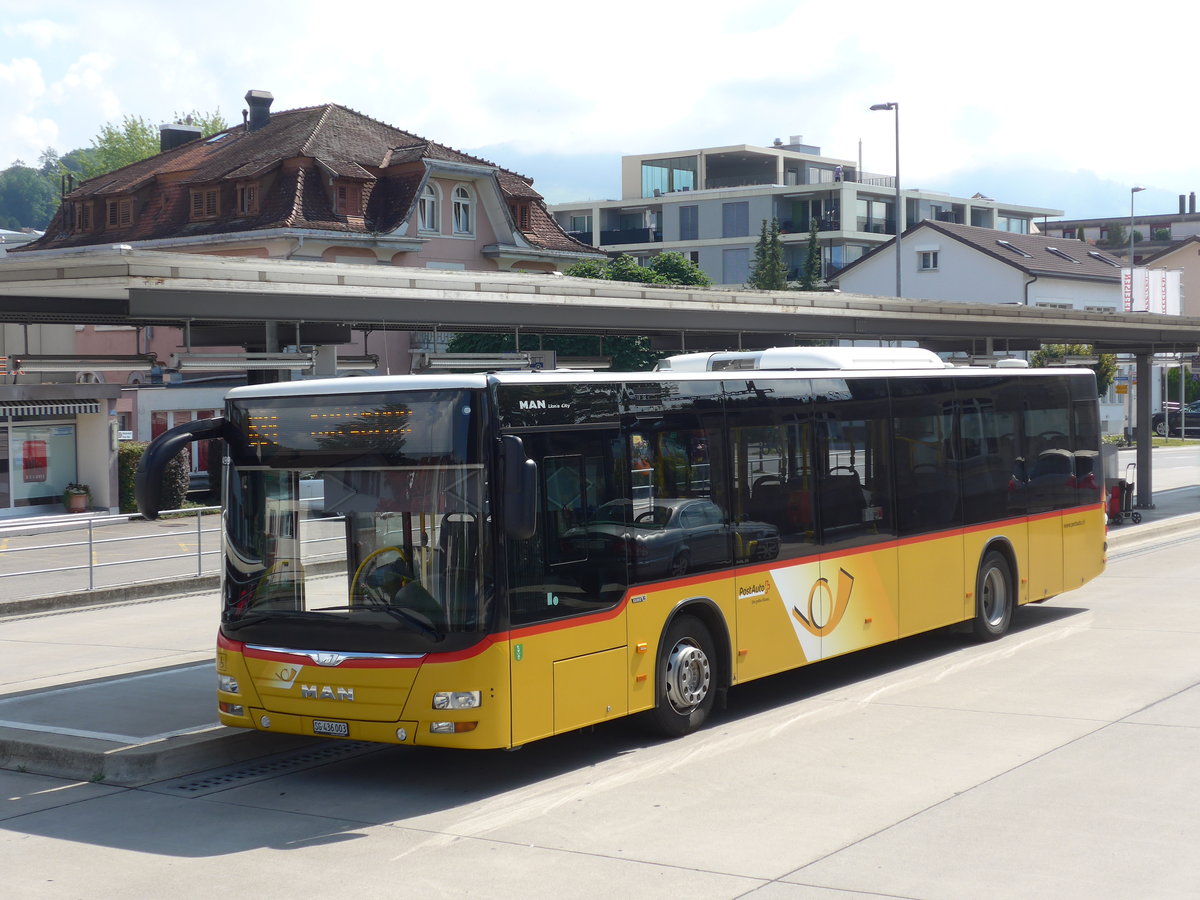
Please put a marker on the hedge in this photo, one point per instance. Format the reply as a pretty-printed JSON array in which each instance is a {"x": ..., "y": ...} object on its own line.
[{"x": 175, "y": 477}]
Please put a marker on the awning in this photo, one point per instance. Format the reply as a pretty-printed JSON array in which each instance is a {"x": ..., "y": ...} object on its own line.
[{"x": 48, "y": 407}]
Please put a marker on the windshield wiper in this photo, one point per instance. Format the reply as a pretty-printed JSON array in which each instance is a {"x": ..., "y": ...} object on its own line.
[{"x": 396, "y": 612}]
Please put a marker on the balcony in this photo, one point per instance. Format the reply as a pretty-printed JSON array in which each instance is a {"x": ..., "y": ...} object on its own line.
[
  {"x": 614, "y": 236},
  {"x": 876, "y": 226}
]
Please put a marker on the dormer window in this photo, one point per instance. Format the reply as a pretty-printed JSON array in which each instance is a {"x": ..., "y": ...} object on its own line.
[
  {"x": 347, "y": 200},
  {"x": 247, "y": 199},
  {"x": 521, "y": 215},
  {"x": 206, "y": 203},
  {"x": 83, "y": 216},
  {"x": 118, "y": 213},
  {"x": 427, "y": 210},
  {"x": 464, "y": 221}
]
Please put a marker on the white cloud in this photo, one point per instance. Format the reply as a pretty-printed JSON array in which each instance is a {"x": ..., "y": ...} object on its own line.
[
  {"x": 40, "y": 32},
  {"x": 1028, "y": 84}
]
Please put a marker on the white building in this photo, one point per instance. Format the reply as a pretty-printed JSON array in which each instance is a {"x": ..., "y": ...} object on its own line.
[
  {"x": 941, "y": 261},
  {"x": 709, "y": 204}
]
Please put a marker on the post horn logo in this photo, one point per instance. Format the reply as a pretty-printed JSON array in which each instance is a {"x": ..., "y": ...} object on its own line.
[{"x": 824, "y": 614}]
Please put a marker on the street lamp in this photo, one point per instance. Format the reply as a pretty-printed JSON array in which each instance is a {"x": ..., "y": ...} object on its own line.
[
  {"x": 1129, "y": 307},
  {"x": 1132, "y": 191},
  {"x": 895, "y": 107}
]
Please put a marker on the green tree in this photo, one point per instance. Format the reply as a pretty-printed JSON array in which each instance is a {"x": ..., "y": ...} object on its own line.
[
  {"x": 28, "y": 198},
  {"x": 1117, "y": 237},
  {"x": 1191, "y": 386},
  {"x": 1080, "y": 234},
  {"x": 665, "y": 268},
  {"x": 628, "y": 353},
  {"x": 769, "y": 271},
  {"x": 134, "y": 139},
  {"x": 675, "y": 268},
  {"x": 810, "y": 273},
  {"x": 1105, "y": 366}
]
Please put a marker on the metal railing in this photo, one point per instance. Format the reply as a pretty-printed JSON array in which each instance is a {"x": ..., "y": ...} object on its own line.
[{"x": 67, "y": 554}]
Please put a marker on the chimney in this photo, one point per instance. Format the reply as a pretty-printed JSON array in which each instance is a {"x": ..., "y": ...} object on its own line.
[
  {"x": 176, "y": 135},
  {"x": 260, "y": 108}
]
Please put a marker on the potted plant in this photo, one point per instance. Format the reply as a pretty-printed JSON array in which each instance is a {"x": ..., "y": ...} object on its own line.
[{"x": 76, "y": 497}]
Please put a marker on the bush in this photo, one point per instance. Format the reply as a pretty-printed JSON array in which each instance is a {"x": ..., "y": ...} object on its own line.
[{"x": 175, "y": 477}]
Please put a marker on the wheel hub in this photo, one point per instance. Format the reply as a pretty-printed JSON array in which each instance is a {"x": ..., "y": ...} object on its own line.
[{"x": 689, "y": 675}]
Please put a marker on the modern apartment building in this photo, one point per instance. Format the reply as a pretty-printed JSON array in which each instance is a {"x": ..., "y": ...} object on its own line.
[
  {"x": 1153, "y": 233},
  {"x": 709, "y": 204}
]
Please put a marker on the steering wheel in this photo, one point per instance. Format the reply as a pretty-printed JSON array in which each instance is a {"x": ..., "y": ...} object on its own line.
[
  {"x": 766, "y": 479},
  {"x": 367, "y": 566},
  {"x": 647, "y": 516}
]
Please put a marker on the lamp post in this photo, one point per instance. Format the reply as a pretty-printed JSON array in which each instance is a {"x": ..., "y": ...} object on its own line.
[
  {"x": 895, "y": 107},
  {"x": 1132, "y": 191},
  {"x": 1132, "y": 369}
]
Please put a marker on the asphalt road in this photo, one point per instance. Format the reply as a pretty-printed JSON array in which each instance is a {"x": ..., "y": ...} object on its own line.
[{"x": 1058, "y": 762}]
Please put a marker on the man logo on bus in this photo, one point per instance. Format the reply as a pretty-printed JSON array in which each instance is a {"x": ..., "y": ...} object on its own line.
[{"x": 824, "y": 614}]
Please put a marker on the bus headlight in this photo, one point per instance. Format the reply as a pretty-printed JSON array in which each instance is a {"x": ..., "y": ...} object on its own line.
[
  {"x": 451, "y": 727},
  {"x": 457, "y": 699},
  {"x": 228, "y": 684}
]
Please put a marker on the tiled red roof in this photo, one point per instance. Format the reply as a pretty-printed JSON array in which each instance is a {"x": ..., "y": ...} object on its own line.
[{"x": 286, "y": 157}]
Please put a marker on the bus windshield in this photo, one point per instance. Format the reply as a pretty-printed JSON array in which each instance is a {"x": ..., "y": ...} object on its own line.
[{"x": 382, "y": 558}]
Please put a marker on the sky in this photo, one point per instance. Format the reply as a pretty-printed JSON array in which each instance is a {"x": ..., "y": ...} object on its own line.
[{"x": 1050, "y": 104}]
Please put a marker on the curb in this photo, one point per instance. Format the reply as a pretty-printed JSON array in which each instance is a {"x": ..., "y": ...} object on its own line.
[
  {"x": 151, "y": 590},
  {"x": 1128, "y": 537},
  {"x": 92, "y": 759}
]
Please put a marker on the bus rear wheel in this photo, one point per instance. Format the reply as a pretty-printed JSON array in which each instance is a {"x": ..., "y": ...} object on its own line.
[
  {"x": 993, "y": 597},
  {"x": 687, "y": 679}
]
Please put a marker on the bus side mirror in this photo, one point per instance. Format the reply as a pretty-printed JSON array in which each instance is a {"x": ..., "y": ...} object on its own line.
[
  {"x": 147, "y": 481},
  {"x": 520, "y": 489}
]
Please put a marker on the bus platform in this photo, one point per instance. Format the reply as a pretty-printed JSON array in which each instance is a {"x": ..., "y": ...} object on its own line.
[{"x": 120, "y": 687}]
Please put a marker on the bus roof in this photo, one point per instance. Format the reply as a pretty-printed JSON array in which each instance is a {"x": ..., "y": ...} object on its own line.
[{"x": 860, "y": 365}]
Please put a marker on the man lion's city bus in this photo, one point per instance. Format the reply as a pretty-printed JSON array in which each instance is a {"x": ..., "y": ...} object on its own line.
[{"x": 484, "y": 560}]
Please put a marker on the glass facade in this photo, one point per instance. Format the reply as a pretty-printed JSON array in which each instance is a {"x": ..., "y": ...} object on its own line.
[{"x": 668, "y": 175}]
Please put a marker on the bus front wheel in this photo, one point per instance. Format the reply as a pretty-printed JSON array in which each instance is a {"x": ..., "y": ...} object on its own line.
[
  {"x": 687, "y": 678},
  {"x": 993, "y": 597}
]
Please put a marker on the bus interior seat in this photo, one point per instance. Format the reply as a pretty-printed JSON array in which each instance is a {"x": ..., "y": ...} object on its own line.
[
  {"x": 842, "y": 501},
  {"x": 768, "y": 502}
]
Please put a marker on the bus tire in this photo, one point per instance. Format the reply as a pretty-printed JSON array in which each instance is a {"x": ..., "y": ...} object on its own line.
[
  {"x": 993, "y": 597},
  {"x": 687, "y": 678}
]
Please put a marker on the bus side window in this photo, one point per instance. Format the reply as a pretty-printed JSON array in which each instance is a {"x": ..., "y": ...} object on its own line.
[
  {"x": 927, "y": 483},
  {"x": 576, "y": 562},
  {"x": 854, "y": 459}
]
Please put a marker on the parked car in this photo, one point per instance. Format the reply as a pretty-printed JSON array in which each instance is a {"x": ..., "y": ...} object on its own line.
[
  {"x": 1170, "y": 422},
  {"x": 674, "y": 537}
]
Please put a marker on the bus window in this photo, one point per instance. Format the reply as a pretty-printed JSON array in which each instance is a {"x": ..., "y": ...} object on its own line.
[
  {"x": 771, "y": 442},
  {"x": 1089, "y": 477},
  {"x": 854, "y": 488},
  {"x": 927, "y": 484},
  {"x": 680, "y": 523},
  {"x": 576, "y": 561},
  {"x": 1049, "y": 460},
  {"x": 991, "y": 467}
]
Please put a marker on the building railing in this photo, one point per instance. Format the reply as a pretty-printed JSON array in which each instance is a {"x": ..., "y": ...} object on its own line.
[{"x": 629, "y": 236}]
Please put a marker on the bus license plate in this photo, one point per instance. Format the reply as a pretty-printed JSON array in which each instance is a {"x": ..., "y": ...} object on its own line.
[{"x": 334, "y": 729}]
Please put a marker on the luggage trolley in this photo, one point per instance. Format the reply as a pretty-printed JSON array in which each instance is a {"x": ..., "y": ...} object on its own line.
[{"x": 1120, "y": 498}]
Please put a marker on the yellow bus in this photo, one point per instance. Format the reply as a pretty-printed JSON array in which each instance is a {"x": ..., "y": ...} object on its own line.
[{"x": 484, "y": 560}]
